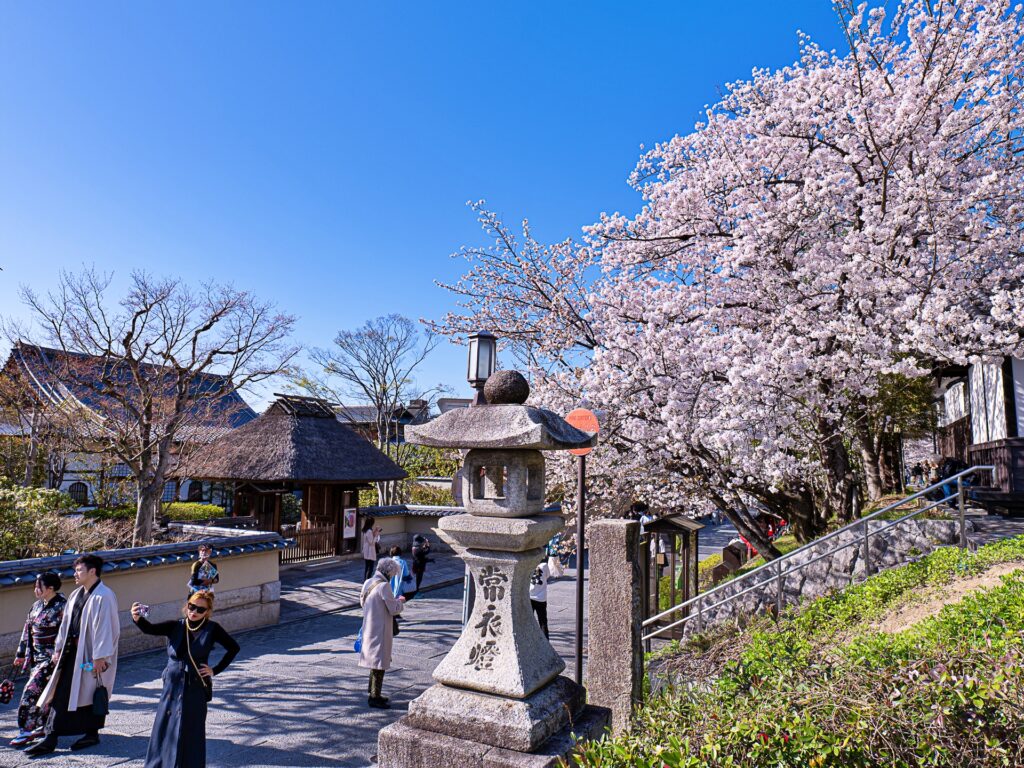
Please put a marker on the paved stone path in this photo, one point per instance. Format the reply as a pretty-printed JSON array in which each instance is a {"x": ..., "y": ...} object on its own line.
[
  {"x": 334, "y": 585},
  {"x": 295, "y": 696},
  {"x": 713, "y": 537},
  {"x": 992, "y": 528}
]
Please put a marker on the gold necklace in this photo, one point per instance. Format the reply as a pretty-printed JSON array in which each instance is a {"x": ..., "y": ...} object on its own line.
[{"x": 197, "y": 627}]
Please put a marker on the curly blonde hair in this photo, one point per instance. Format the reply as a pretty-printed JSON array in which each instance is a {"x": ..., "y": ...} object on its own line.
[{"x": 202, "y": 594}]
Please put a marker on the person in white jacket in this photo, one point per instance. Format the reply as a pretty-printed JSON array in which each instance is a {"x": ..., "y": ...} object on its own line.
[
  {"x": 370, "y": 540},
  {"x": 86, "y": 653},
  {"x": 380, "y": 606}
]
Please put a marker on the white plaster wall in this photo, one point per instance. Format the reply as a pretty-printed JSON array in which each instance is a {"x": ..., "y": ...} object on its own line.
[
  {"x": 988, "y": 421},
  {"x": 954, "y": 402},
  {"x": 1018, "y": 393}
]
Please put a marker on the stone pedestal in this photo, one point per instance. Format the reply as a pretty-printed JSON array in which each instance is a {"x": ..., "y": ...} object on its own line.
[
  {"x": 401, "y": 744},
  {"x": 615, "y": 659}
]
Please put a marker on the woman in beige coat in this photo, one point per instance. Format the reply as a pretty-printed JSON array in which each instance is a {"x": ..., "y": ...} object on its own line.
[{"x": 380, "y": 606}]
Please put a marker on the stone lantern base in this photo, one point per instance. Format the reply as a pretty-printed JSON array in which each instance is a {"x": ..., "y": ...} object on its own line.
[{"x": 406, "y": 744}]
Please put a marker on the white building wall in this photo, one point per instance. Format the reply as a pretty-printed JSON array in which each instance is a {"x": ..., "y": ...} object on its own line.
[
  {"x": 954, "y": 404},
  {"x": 1018, "y": 393},
  {"x": 988, "y": 404}
]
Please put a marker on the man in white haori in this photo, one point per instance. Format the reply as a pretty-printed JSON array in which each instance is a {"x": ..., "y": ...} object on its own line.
[{"x": 86, "y": 658}]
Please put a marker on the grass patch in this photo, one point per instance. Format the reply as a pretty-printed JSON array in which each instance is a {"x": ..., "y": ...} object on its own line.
[{"x": 822, "y": 688}]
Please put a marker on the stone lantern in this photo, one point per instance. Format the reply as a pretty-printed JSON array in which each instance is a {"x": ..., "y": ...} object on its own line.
[{"x": 499, "y": 697}]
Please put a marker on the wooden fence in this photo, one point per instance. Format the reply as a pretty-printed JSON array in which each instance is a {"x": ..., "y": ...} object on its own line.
[{"x": 310, "y": 544}]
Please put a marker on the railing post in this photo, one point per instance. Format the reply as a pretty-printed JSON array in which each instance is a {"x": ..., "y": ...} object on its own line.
[
  {"x": 867, "y": 548},
  {"x": 700, "y": 614},
  {"x": 962, "y": 512},
  {"x": 778, "y": 592}
]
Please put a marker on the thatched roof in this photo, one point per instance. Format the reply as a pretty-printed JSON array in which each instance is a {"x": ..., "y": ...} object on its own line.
[{"x": 295, "y": 440}]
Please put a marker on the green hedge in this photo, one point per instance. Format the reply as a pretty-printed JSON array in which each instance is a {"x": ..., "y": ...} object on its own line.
[
  {"x": 110, "y": 513},
  {"x": 824, "y": 688},
  {"x": 178, "y": 511},
  {"x": 182, "y": 511}
]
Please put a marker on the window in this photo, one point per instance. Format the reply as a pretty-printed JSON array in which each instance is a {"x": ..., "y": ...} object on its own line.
[
  {"x": 195, "y": 490},
  {"x": 170, "y": 491},
  {"x": 79, "y": 492}
]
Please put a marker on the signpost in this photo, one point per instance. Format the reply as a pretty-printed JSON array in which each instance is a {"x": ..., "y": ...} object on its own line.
[{"x": 586, "y": 421}]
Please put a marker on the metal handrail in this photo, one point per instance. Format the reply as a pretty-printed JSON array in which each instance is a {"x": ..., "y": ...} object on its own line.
[{"x": 778, "y": 563}]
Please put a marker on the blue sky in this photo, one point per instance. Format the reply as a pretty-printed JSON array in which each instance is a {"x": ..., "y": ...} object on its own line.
[{"x": 321, "y": 154}]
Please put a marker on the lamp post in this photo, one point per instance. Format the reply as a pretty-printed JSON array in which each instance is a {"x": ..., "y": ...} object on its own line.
[{"x": 483, "y": 357}]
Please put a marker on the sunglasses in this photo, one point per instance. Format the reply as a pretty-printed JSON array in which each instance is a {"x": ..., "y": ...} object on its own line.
[{"x": 200, "y": 609}]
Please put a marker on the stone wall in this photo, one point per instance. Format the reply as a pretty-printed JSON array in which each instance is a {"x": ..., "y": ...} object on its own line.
[
  {"x": 247, "y": 596},
  {"x": 898, "y": 545}
]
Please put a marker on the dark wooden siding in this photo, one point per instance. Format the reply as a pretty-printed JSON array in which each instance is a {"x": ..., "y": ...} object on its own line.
[
  {"x": 1008, "y": 458},
  {"x": 953, "y": 439}
]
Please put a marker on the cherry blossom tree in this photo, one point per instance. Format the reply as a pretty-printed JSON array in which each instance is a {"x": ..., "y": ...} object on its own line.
[{"x": 825, "y": 228}]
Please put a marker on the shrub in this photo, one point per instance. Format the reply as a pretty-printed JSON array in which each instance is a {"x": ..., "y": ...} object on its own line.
[
  {"x": 822, "y": 688},
  {"x": 111, "y": 513},
  {"x": 26, "y": 514},
  {"x": 34, "y": 522},
  {"x": 184, "y": 511}
]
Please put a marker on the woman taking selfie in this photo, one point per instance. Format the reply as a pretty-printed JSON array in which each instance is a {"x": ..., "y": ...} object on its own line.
[{"x": 178, "y": 739}]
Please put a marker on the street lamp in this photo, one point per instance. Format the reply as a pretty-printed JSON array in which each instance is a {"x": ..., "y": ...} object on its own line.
[{"x": 483, "y": 355}]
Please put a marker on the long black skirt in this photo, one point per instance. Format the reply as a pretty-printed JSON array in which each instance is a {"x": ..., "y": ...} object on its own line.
[
  {"x": 178, "y": 739},
  {"x": 61, "y": 722}
]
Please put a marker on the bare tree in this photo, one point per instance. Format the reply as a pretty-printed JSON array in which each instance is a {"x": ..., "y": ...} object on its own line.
[
  {"x": 375, "y": 365},
  {"x": 155, "y": 369},
  {"x": 41, "y": 439}
]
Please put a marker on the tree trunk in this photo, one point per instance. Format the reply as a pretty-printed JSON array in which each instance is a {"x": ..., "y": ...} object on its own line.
[
  {"x": 796, "y": 507},
  {"x": 147, "y": 508},
  {"x": 750, "y": 531},
  {"x": 32, "y": 454},
  {"x": 840, "y": 487},
  {"x": 889, "y": 462}
]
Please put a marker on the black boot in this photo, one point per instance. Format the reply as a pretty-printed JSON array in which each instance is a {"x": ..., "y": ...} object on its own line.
[
  {"x": 378, "y": 702},
  {"x": 89, "y": 740},
  {"x": 44, "y": 747}
]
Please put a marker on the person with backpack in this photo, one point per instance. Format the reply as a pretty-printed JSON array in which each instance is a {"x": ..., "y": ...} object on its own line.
[
  {"x": 403, "y": 579},
  {"x": 420, "y": 557},
  {"x": 539, "y": 595}
]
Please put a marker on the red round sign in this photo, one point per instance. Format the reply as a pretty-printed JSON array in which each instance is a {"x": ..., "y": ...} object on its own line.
[{"x": 584, "y": 421}]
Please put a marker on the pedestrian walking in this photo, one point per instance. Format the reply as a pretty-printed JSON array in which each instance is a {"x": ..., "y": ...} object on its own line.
[
  {"x": 204, "y": 572},
  {"x": 370, "y": 542},
  {"x": 539, "y": 595},
  {"x": 403, "y": 579},
  {"x": 178, "y": 738},
  {"x": 35, "y": 653},
  {"x": 420, "y": 557},
  {"x": 917, "y": 473},
  {"x": 380, "y": 606},
  {"x": 86, "y": 653}
]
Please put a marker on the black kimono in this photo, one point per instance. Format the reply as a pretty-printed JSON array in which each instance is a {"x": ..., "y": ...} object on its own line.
[{"x": 178, "y": 739}]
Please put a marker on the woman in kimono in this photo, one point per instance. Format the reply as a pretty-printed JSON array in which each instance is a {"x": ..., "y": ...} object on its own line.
[
  {"x": 35, "y": 652},
  {"x": 379, "y": 607},
  {"x": 178, "y": 739}
]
